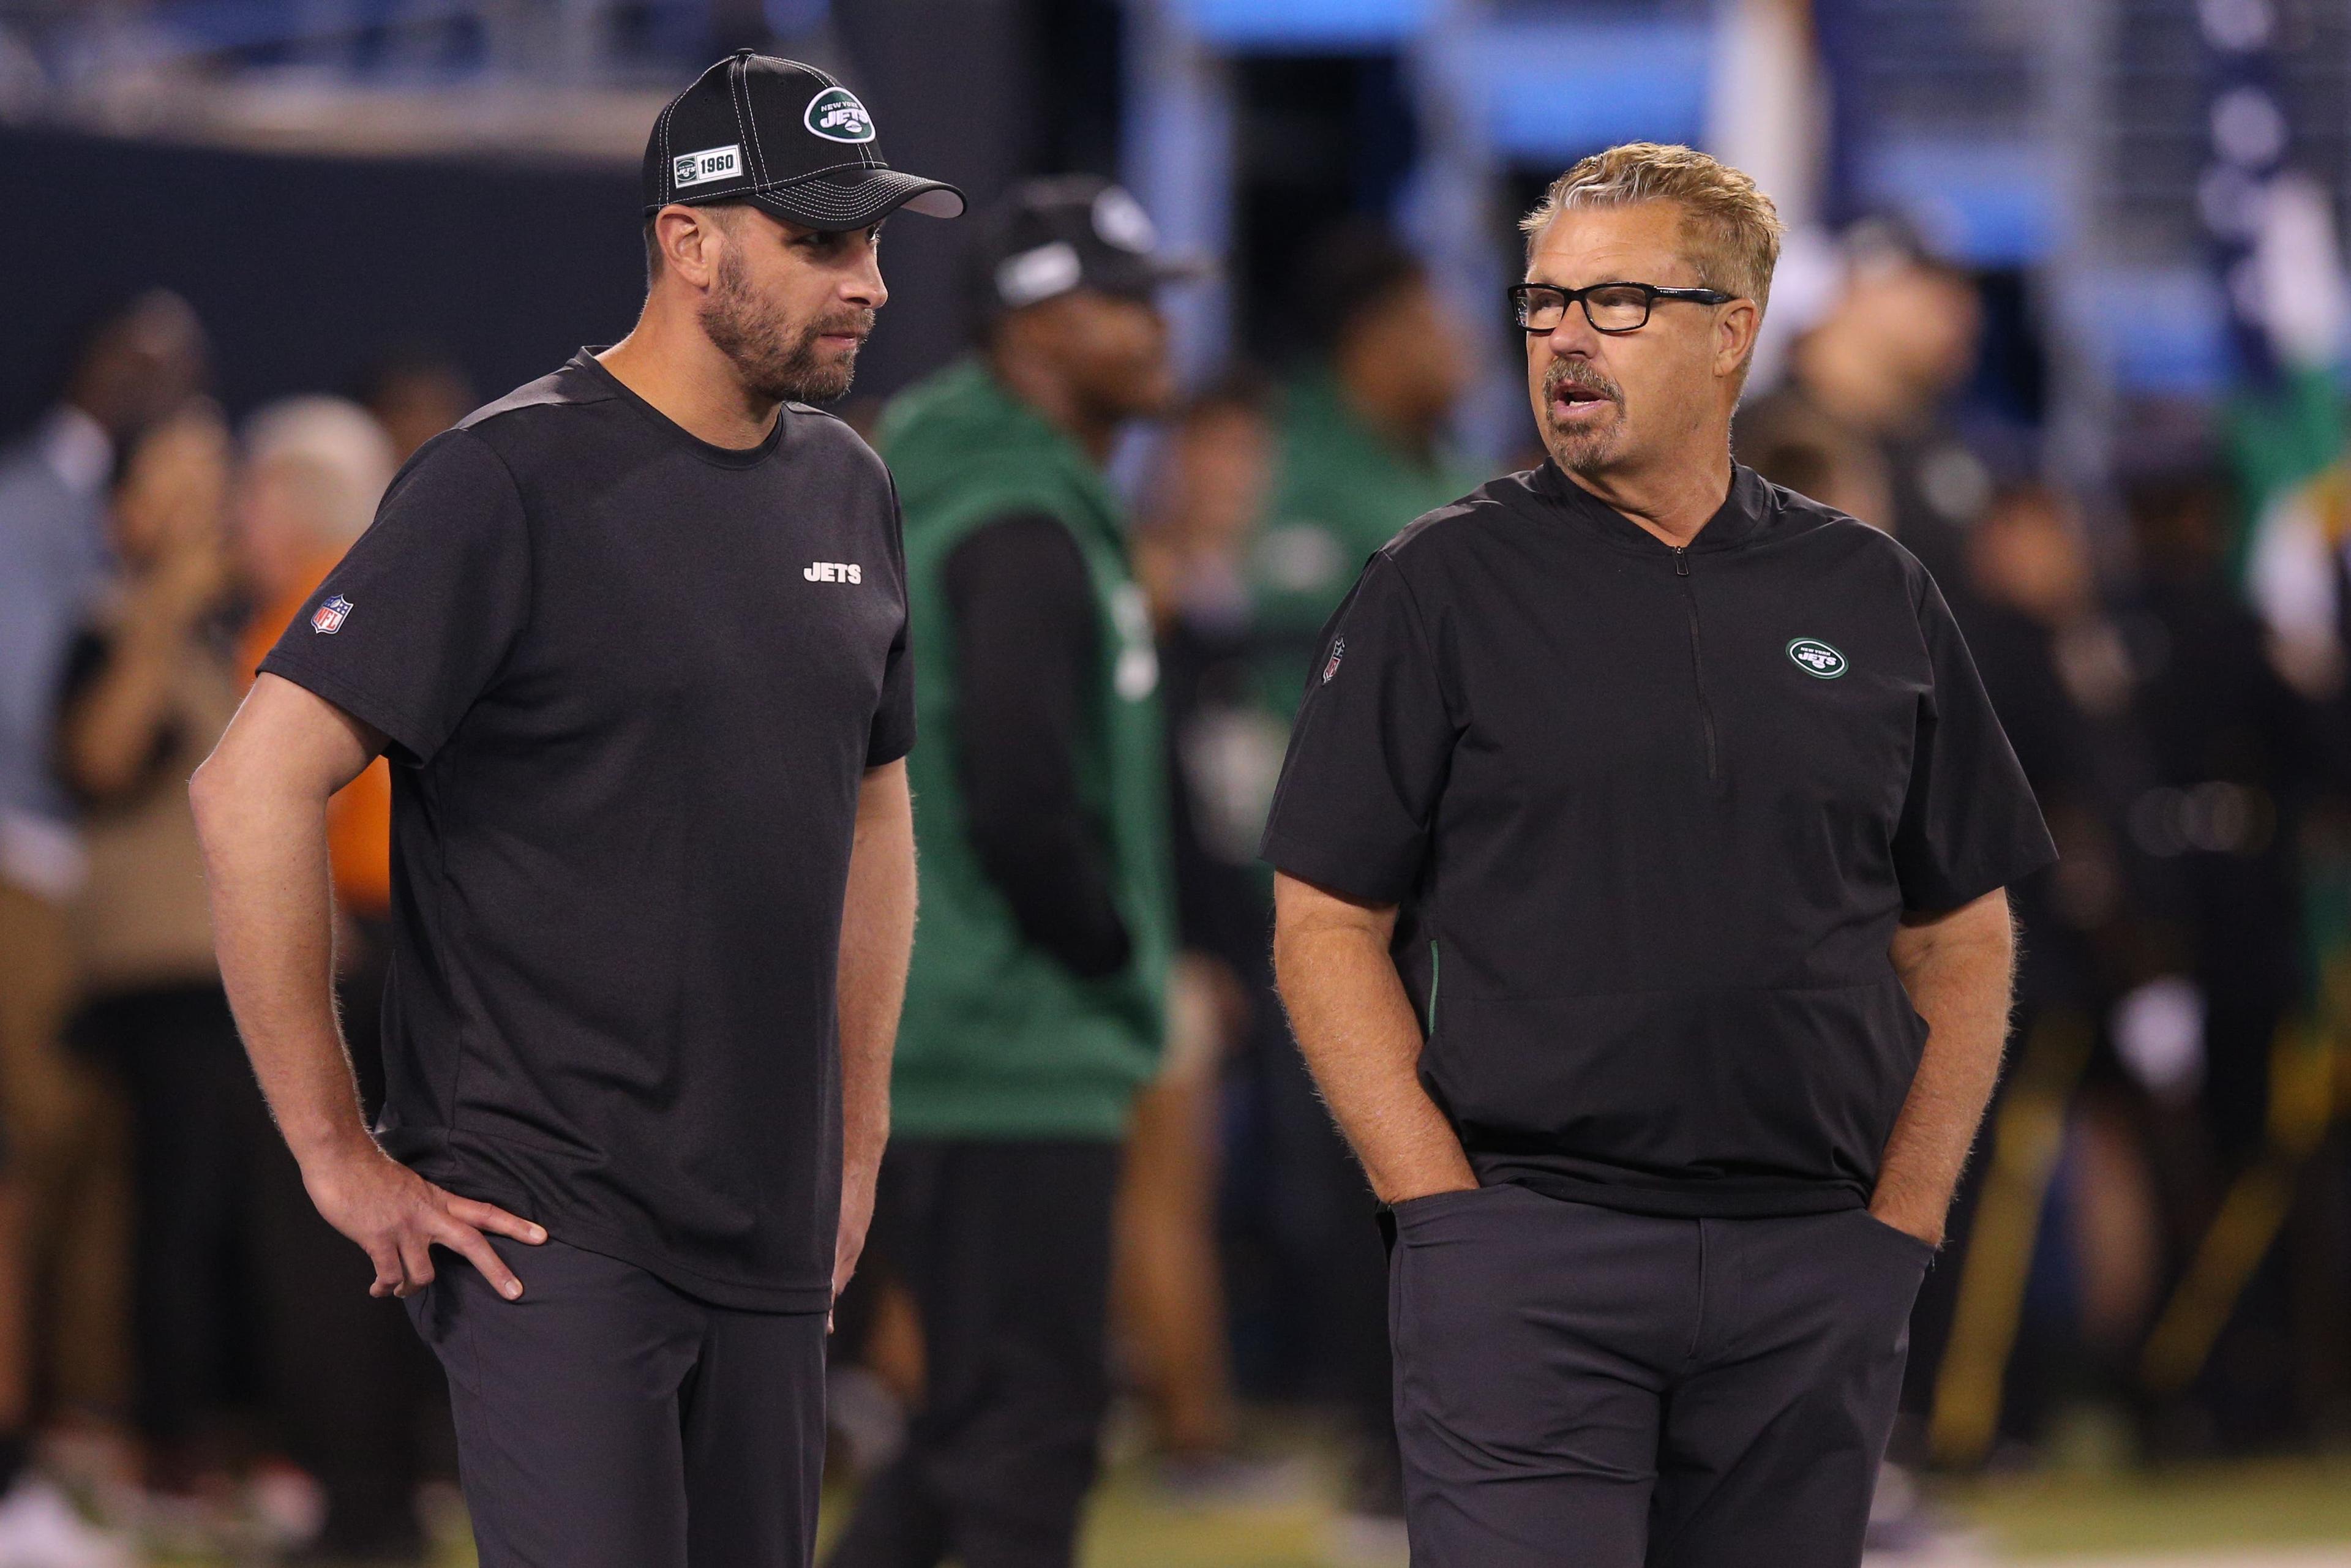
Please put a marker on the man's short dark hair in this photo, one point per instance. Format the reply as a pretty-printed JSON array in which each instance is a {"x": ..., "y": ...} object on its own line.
[{"x": 1351, "y": 272}]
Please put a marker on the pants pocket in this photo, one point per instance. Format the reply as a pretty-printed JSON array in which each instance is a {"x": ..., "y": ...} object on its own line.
[
  {"x": 1414, "y": 1211},
  {"x": 1918, "y": 1248}
]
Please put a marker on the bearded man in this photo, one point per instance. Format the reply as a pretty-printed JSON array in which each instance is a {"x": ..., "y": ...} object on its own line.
[{"x": 634, "y": 637}]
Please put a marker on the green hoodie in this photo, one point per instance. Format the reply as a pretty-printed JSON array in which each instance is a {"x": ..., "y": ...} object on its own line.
[
  {"x": 1344, "y": 491},
  {"x": 999, "y": 1041}
]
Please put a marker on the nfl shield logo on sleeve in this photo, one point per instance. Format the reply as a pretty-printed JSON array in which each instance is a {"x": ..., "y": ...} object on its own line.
[{"x": 329, "y": 618}]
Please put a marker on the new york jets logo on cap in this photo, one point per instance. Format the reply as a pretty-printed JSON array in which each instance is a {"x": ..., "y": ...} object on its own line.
[
  {"x": 837, "y": 115},
  {"x": 1816, "y": 657}
]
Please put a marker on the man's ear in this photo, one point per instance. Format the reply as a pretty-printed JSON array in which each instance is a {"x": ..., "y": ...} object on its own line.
[
  {"x": 1734, "y": 336},
  {"x": 690, "y": 239}
]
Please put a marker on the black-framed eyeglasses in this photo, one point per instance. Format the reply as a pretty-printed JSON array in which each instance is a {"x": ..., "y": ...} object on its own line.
[{"x": 1609, "y": 307}]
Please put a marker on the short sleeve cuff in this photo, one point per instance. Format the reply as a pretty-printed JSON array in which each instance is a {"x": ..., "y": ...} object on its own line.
[
  {"x": 1963, "y": 885},
  {"x": 1369, "y": 877},
  {"x": 889, "y": 743},
  {"x": 403, "y": 731}
]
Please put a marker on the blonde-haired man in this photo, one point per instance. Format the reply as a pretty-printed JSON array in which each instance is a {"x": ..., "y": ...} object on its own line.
[{"x": 1687, "y": 786}]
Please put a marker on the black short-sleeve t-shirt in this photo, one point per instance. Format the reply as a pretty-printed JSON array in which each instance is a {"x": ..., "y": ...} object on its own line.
[
  {"x": 1652, "y": 816},
  {"x": 630, "y": 683}
]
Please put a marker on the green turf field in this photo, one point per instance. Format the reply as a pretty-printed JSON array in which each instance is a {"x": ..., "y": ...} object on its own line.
[
  {"x": 2294, "y": 1502},
  {"x": 2178, "y": 1517},
  {"x": 2273, "y": 1514},
  {"x": 2188, "y": 1515}
]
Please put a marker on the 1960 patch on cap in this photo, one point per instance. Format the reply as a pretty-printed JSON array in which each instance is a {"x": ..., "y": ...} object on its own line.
[{"x": 711, "y": 163}]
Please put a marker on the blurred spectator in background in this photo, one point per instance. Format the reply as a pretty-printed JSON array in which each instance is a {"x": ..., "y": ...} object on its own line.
[
  {"x": 1206, "y": 497},
  {"x": 247, "y": 1302},
  {"x": 2054, "y": 657},
  {"x": 2239, "y": 755},
  {"x": 63, "y": 1127},
  {"x": 1036, "y": 1005},
  {"x": 1192, "y": 554},
  {"x": 415, "y": 394},
  {"x": 2239, "y": 758},
  {"x": 1895, "y": 336},
  {"x": 148, "y": 688},
  {"x": 2164, "y": 956},
  {"x": 1363, "y": 453},
  {"x": 1364, "y": 429},
  {"x": 1790, "y": 442}
]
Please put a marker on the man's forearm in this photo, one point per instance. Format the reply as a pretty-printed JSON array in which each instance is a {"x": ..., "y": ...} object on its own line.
[
  {"x": 265, "y": 862},
  {"x": 877, "y": 933},
  {"x": 260, "y": 801},
  {"x": 1354, "y": 1023},
  {"x": 1959, "y": 970}
]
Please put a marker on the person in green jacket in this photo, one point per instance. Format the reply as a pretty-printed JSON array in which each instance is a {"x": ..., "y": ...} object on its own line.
[
  {"x": 1364, "y": 447},
  {"x": 1036, "y": 1002}
]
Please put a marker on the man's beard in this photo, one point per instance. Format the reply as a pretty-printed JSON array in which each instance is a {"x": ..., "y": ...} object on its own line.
[
  {"x": 776, "y": 359},
  {"x": 1584, "y": 449}
]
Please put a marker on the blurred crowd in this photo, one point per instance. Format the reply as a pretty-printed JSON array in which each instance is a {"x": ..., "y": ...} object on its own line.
[
  {"x": 195, "y": 1348},
  {"x": 2153, "y": 1252}
]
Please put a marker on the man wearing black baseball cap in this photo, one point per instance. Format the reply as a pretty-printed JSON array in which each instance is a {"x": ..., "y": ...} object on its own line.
[
  {"x": 634, "y": 638},
  {"x": 1034, "y": 1011}
]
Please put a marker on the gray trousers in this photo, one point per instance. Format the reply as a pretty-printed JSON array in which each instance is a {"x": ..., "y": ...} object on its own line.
[
  {"x": 607, "y": 1420},
  {"x": 1578, "y": 1387}
]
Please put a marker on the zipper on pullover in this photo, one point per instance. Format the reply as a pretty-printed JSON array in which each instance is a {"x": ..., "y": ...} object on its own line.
[{"x": 1698, "y": 665}]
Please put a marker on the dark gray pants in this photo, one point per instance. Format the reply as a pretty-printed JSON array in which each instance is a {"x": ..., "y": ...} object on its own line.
[
  {"x": 1580, "y": 1385},
  {"x": 607, "y": 1420},
  {"x": 1006, "y": 1246}
]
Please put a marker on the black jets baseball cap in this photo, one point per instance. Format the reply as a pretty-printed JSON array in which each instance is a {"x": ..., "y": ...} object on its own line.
[
  {"x": 1072, "y": 231},
  {"x": 788, "y": 140}
]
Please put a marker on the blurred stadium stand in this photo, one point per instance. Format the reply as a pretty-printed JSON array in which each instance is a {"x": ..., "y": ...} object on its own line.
[{"x": 2065, "y": 140}]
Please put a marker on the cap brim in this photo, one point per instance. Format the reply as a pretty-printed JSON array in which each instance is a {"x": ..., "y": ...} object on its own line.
[
  {"x": 1148, "y": 273},
  {"x": 851, "y": 199}
]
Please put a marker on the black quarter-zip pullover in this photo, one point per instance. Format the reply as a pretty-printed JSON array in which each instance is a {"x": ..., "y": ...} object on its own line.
[{"x": 1652, "y": 814}]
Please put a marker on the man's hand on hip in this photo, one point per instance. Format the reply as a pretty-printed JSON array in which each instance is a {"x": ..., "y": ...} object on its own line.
[
  {"x": 398, "y": 1217},
  {"x": 260, "y": 803}
]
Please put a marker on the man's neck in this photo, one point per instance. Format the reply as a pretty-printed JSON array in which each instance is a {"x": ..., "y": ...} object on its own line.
[
  {"x": 1036, "y": 384},
  {"x": 1670, "y": 502},
  {"x": 674, "y": 365}
]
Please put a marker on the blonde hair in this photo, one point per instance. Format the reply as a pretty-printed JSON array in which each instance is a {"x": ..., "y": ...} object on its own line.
[
  {"x": 1729, "y": 227},
  {"x": 338, "y": 454}
]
